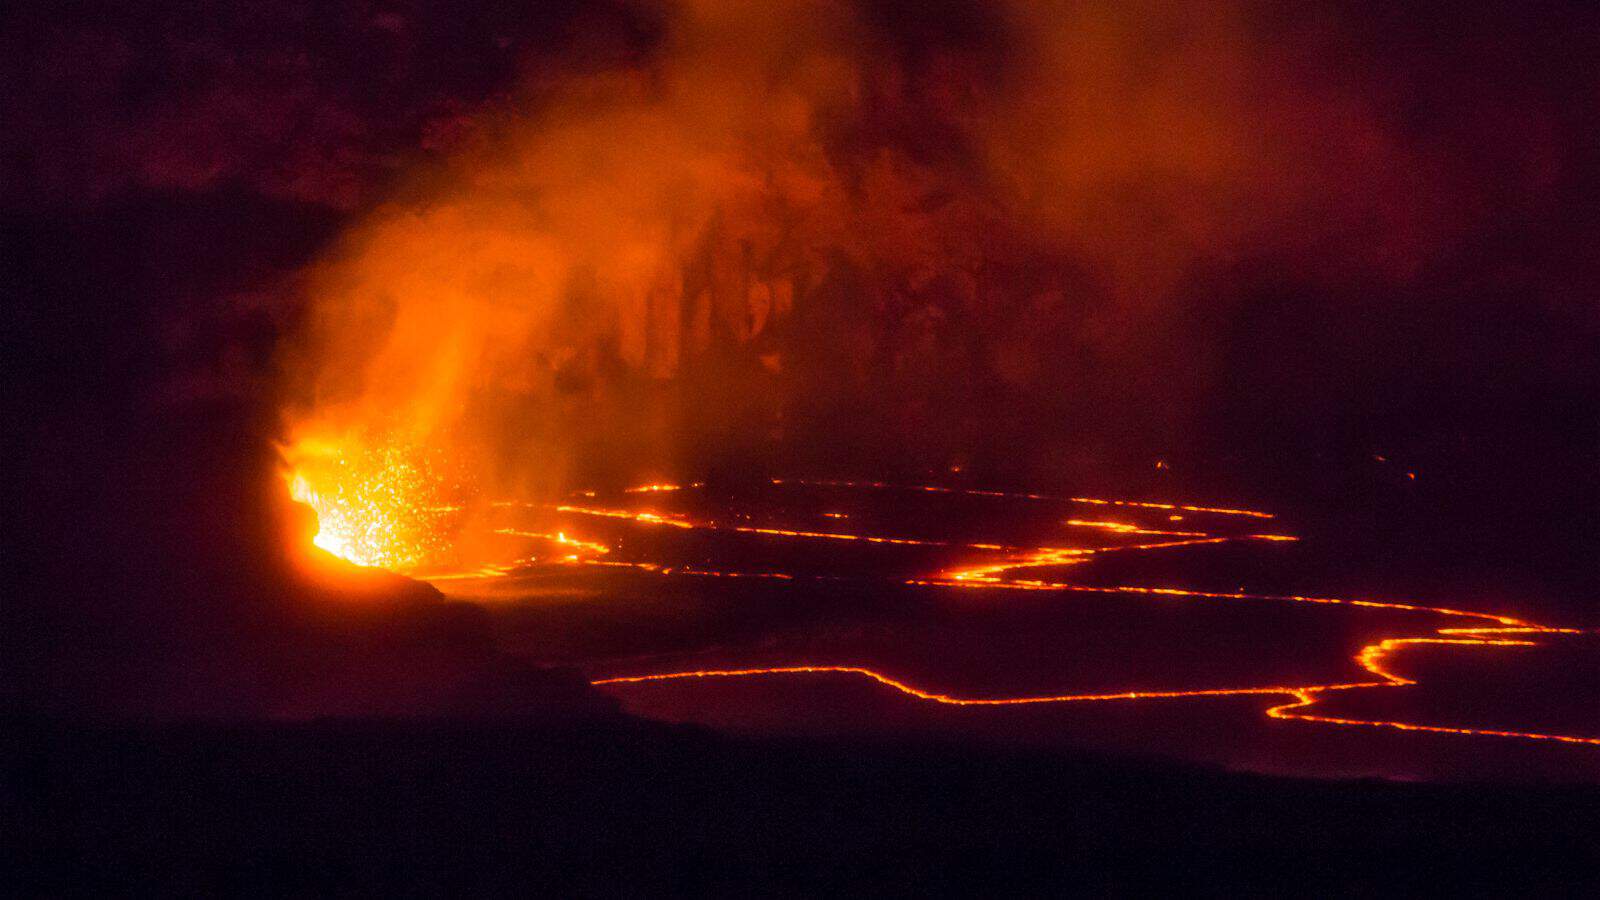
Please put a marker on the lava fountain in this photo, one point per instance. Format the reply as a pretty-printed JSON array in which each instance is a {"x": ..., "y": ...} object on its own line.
[{"x": 386, "y": 504}]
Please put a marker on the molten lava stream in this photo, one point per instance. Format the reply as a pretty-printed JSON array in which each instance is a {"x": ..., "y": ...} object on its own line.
[
  {"x": 996, "y": 575},
  {"x": 382, "y": 512}
]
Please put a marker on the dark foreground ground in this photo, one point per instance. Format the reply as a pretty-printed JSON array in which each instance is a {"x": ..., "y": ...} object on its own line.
[{"x": 616, "y": 807}]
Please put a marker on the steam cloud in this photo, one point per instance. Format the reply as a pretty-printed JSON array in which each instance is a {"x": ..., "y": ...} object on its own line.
[{"x": 788, "y": 208}]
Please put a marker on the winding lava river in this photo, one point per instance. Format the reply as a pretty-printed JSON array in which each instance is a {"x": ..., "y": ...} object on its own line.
[{"x": 1004, "y": 568}]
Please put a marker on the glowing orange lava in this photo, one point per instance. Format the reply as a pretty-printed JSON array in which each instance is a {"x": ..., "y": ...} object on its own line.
[
  {"x": 389, "y": 531},
  {"x": 935, "y": 489},
  {"x": 1371, "y": 658},
  {"x": 921, "y": 694},
  {"x": 386, "y": 505}
]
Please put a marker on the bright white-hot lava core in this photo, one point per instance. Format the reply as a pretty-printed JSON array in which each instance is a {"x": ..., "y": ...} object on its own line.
[{"x": 387, "y": 506}]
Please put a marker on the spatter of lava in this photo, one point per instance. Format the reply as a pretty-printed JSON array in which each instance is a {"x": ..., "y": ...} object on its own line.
[{"x": 388, "y": 504}]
